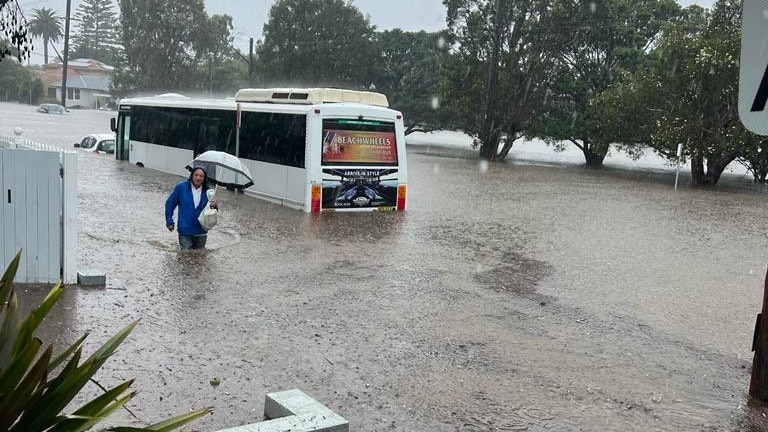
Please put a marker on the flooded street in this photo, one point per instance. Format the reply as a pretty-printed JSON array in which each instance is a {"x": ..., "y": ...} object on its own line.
[{"x": 517, "y": 297}]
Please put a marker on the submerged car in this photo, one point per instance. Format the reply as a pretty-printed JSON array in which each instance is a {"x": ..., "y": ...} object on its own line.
[
  {"x": 98, "y": 143},
  {"x": 52, "y": 109}
]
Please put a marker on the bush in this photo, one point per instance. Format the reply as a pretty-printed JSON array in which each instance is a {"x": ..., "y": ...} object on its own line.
[{"x": 29, "y": 400}]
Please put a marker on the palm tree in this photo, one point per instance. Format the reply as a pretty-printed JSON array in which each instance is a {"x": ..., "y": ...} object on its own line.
[{"x": 47, "y": 25}]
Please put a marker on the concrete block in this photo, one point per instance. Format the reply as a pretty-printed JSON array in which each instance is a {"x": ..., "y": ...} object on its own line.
[
  {"x": 294, "y": 411},
  {"x": 91, "y": 278}
]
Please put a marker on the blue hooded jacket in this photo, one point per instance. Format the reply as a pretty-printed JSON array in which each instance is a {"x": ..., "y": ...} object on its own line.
[{"x": 181, "y": 197}]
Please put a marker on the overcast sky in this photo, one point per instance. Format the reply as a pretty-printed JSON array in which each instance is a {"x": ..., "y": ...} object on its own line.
[{"x": 249, "y": 16}]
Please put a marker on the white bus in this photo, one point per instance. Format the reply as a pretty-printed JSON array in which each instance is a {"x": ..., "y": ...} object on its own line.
[{"x": 310, "y": 149}]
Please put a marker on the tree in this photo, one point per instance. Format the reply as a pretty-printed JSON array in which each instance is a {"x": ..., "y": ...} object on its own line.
[
  {"x": 317, "y": 43},
  {"x": 96, "y": 35},
  {"x": 222, "y": 76},
  {"x": 11, "y": 75},
  {"x": 698, "y": 73},
  {"x": 494, "y": 77},
  {"x": 18, "y": 83},
  {"x": 45, "y": 23},
  {"x": 755, "y": 157},
  {"x": 161, "y": 40},
  {"x": 610, "y": 39},
  {"x": 216, "y": 39},
  {"x": 221, "y": 68},
  {"x": 17, "y": 41},
  {"x": 408, "y": 73}
]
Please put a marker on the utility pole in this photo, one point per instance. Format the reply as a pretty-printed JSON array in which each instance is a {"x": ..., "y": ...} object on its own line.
[
  {"x": 66, "y": 56},
  {"x": 210, "y": 73},
  {"x": 250, "y": 62},
  {"x": 490, "y": 101}
]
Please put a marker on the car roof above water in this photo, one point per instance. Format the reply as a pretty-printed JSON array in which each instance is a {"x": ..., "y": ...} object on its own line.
[{"x": 103, "y": 136}]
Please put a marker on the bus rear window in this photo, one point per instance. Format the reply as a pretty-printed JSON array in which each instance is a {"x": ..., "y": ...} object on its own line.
[{"x": 359, "y": 142}]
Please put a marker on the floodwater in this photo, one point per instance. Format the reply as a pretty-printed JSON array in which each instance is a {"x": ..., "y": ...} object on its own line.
[{"x": 513, "y": 297}]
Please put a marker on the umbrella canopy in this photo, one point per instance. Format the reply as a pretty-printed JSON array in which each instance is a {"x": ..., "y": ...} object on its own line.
[{"x": 223, "y": 169}]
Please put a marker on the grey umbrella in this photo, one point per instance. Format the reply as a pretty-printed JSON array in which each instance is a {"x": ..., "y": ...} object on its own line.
[{"x": 223, "y": 169}]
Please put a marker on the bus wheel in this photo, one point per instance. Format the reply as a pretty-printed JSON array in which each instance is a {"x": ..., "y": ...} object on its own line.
[{"x": 140, "y": 164}]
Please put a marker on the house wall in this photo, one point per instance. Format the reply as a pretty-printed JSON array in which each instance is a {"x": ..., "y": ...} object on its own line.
[{"x": 87, "y": 98}]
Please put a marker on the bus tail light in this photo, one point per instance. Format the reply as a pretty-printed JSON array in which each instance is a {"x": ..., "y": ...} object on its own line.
[
  {"x": 401, "y": 194},
  {"x": 317, "y": 197}
]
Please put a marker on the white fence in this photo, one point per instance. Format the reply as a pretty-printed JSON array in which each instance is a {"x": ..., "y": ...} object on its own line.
[{"x": 38, "y": 210}]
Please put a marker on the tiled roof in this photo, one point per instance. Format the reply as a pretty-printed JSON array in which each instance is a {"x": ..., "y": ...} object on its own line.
[
  {"x": 90, "y": 82},
  {"x": 81, "y": 74}
]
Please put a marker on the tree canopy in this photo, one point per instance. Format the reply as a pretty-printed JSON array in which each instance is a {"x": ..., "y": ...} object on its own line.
[
  {"x": 495, "y": 76},
  {"x": 167, "y": 43},
  {"x": 688, "y": 94},
  {"x": 609, "y": 41},
  {"x": 407, "y": 71},
  {"x": 16, "y": 41},
  {"x": 18, "y": 83},
  {"x": 317, "y": 43},
  {"x": 96, "y": 33}
]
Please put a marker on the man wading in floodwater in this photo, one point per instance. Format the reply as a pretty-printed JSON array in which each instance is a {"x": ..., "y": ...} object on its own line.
[{"x": 190, "y": 197}]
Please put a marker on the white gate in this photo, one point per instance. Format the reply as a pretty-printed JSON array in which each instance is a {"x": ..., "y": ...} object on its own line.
[{"x": 38, "y": 214}]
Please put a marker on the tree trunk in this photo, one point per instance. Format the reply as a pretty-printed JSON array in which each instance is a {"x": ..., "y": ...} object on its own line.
[
  {"x": 489, "y": 149},
  {"x": 488, "y": 134},
  {"x": 507, "y": 147},
  {"x": 697, "y": 170},
  {"x": 711, "y": 176},
  {"x": 592, "y": 158}
]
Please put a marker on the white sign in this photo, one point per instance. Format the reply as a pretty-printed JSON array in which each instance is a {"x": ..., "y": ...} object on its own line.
[{"x": 753, "y": 79}]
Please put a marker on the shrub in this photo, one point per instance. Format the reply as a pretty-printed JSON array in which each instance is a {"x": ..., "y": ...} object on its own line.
[{"x": 30, "y": 400}]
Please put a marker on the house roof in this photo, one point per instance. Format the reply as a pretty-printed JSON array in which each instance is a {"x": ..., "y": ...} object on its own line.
[
  {"x": 81, "y": 74},
  {"x": 90, "y": 82},
  {"x": 81, "y": 63}
]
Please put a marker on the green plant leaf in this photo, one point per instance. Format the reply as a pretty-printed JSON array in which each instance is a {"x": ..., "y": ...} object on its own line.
[
  {"x": 97, "y": 405},
  {"x": 12, "y": 374},
  {"x": 34, "y": 319},
  {"x": 64, "y": 355},
  {"x": 111, "y": 345},
  {"x": 168, "y": 425},
  {"x": 179, "y": 421},
  {"x": 25, "y": 394},
  {"x": 58, "y": 397},
  {"x": 6, "y": 282},
  {"x": 42, "y": 410},
  {"x": 10, "y": 327},
  {"x": 80, "y": 421}
]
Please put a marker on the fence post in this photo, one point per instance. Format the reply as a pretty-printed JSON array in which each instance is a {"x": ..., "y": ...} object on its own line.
[
  {"x": 758, "y": 385},
  {"x": 17, "y": 140},
  {"x": 69, "y": 228}
]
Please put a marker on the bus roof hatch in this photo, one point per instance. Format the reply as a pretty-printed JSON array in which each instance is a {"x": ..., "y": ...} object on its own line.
[{"x": 310, "y": 96}]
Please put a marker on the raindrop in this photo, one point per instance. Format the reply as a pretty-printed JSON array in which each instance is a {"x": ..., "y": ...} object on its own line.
[
  {"x": 592, "y": 7},
  {"x": 435, "y": 102},
  {"x": 765, "y": 14},
  {"x": 478, "y": 267},
  {"x": 711, "y": 70},
  {"x": 440, "y": 42},
  {"x": 436, "y": 169},
  {"x": 483, "y": 166}
]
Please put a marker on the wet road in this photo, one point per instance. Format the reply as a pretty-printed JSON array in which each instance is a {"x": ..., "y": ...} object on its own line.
[{"x": 517, "y": 297}]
